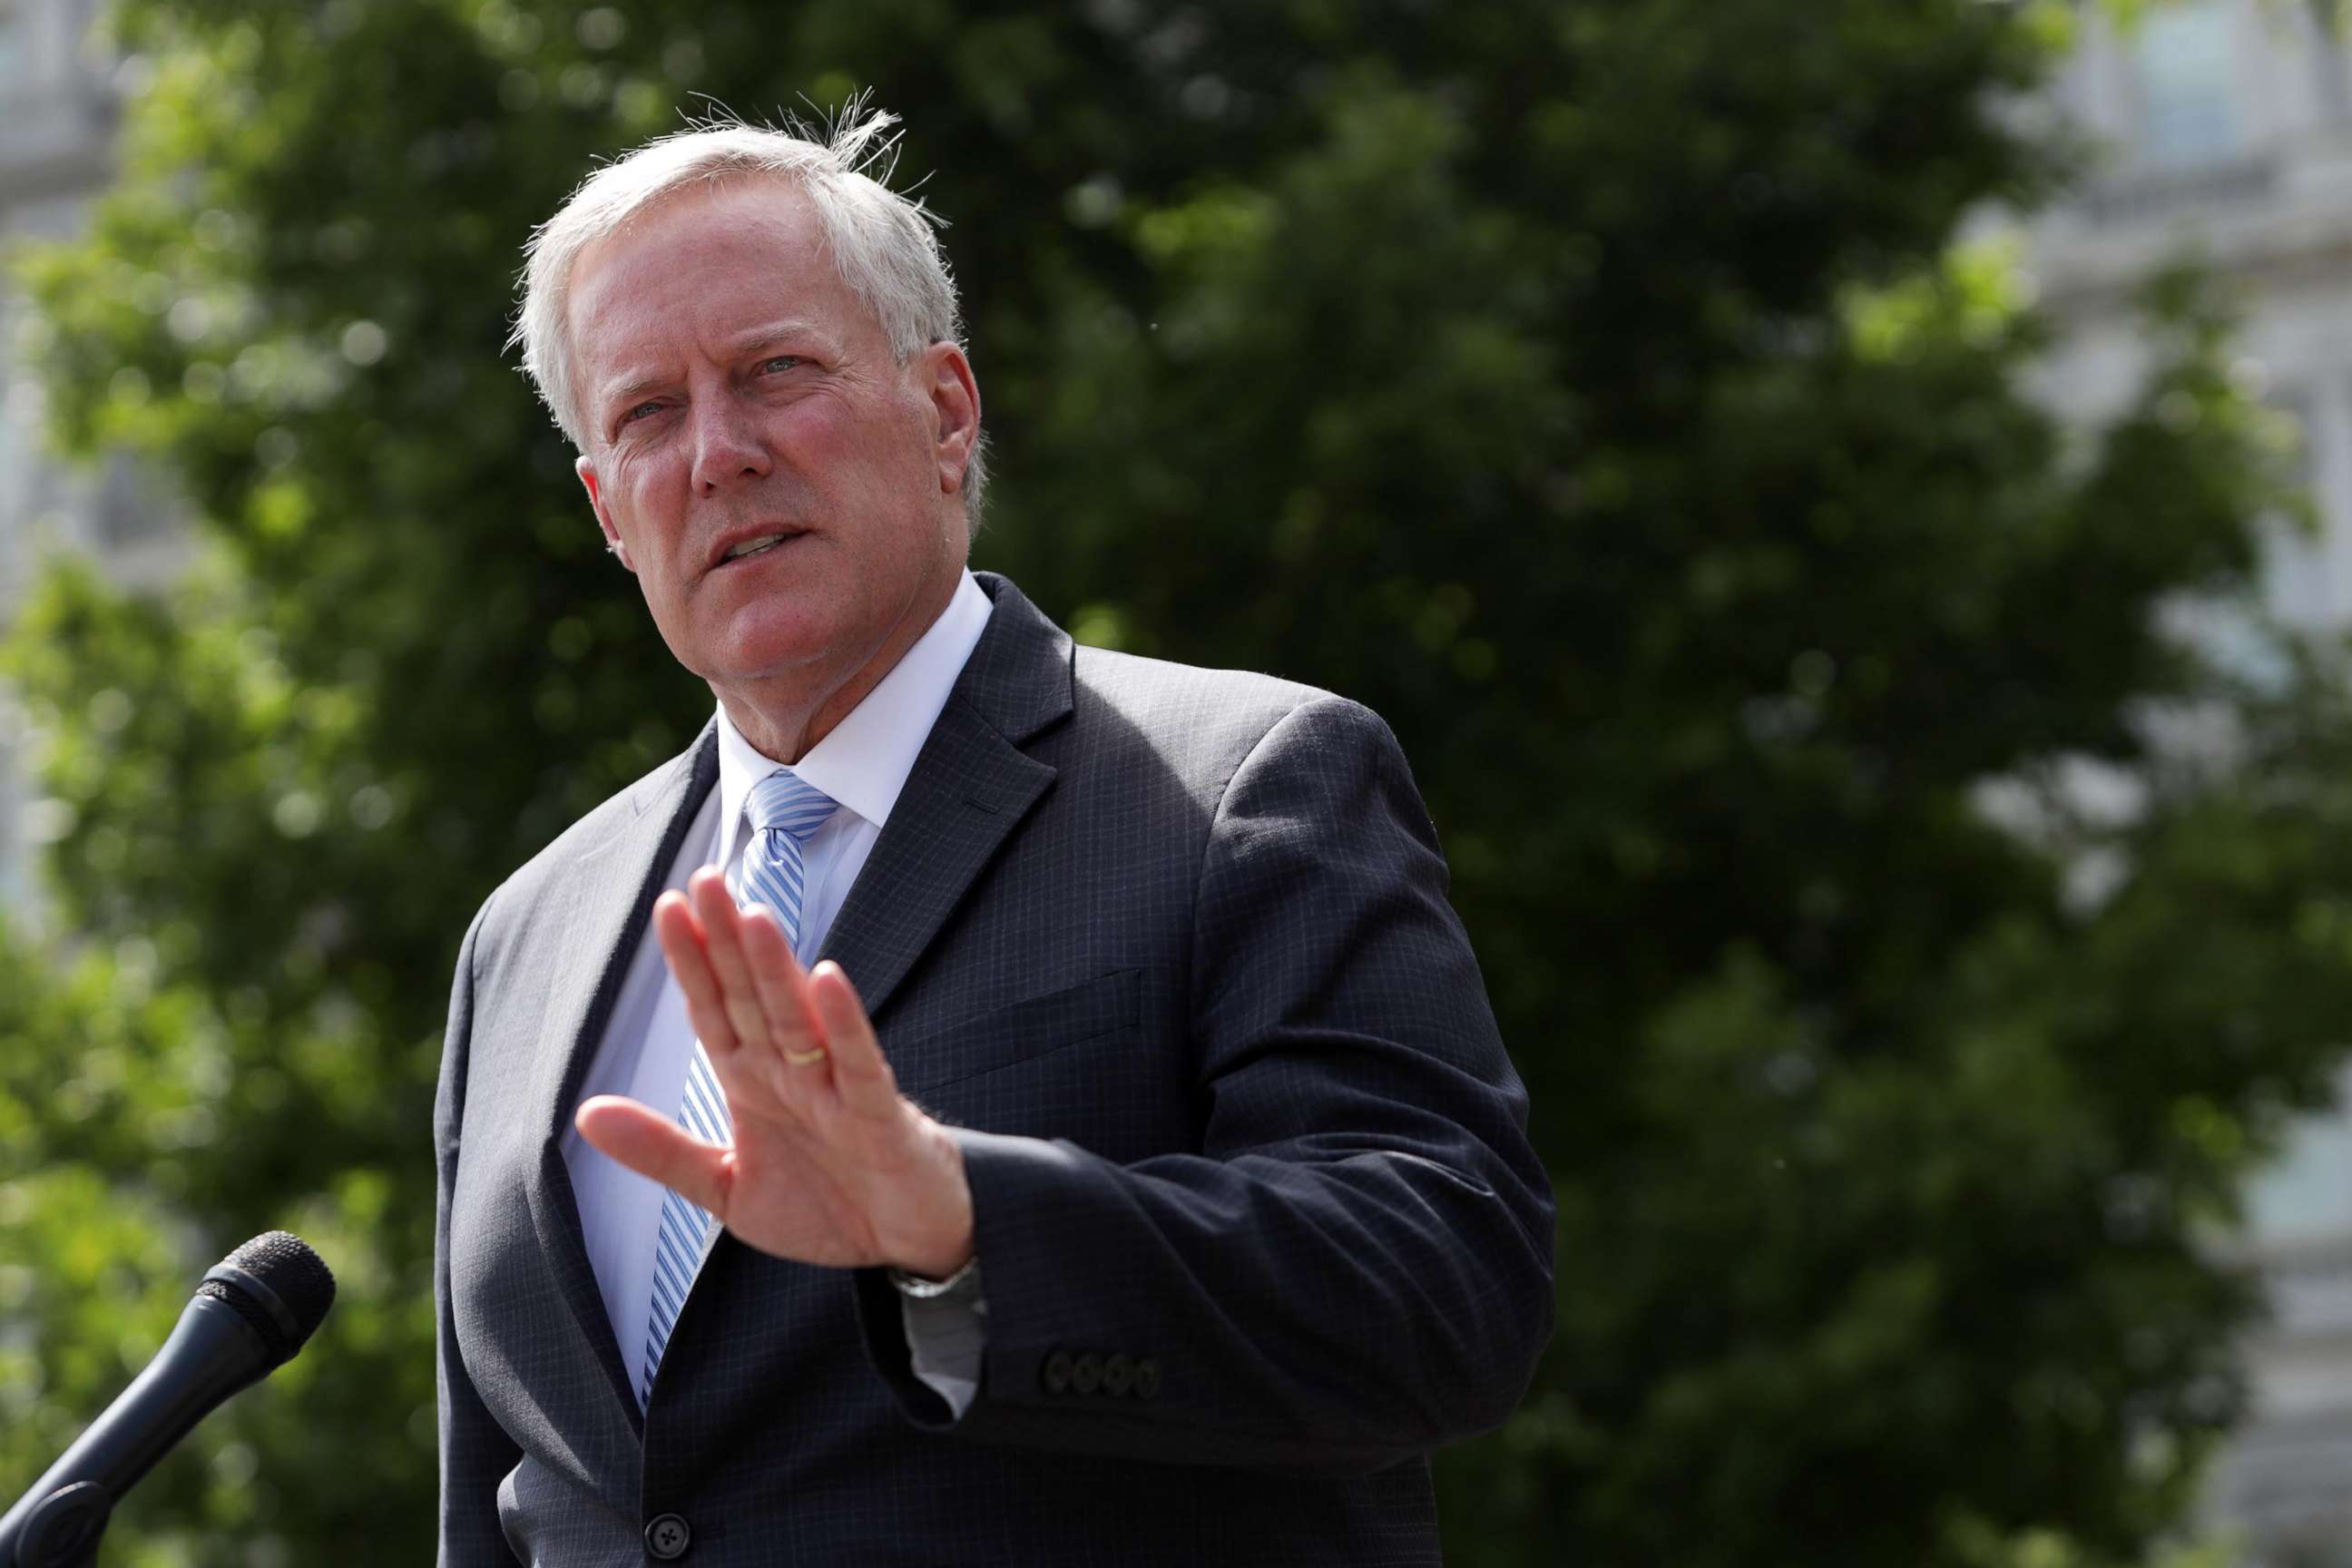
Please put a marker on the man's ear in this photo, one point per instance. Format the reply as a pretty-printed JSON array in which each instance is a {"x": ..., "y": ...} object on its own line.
[
  {"x": 586, "y": 468},
  {"x": 955, "y": 413}
]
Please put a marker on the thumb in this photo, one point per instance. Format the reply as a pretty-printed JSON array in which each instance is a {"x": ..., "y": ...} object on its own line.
[{"x": 653, "y": 1145}]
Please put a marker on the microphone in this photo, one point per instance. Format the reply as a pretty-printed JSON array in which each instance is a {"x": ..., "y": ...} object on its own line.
[{"x": 253, "y": 1311}]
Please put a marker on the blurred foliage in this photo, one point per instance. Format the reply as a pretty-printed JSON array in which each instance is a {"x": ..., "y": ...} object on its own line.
[{"x": 1594, "y": 389}]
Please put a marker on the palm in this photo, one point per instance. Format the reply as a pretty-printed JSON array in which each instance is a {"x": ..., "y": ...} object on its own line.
[
  {"x": 802, "y": 1186},
  {"x": 829, "y": 1165}
]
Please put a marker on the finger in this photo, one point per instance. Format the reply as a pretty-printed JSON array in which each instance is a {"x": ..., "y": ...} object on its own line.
[
  {"x": 793, "y": 1026},
  {"x": 864, "y": 1080},
  {"x": 680, "y": 934},
  {"x": 722, "y": 939},
  {"x": 653, "y": 1145}
]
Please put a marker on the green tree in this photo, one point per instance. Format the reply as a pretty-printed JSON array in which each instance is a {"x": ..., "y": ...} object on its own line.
[{"x": 1591, "y": 388}]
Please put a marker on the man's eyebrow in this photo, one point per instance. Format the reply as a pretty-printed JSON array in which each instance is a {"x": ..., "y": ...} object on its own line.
[{"x": 627, "y": 394}]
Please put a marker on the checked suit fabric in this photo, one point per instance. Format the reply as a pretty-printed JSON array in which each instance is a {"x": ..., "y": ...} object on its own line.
[{"x": 784, "y": 811}]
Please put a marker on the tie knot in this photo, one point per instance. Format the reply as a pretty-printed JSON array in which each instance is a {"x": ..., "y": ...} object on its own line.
[{"x": 788, "y": 803}]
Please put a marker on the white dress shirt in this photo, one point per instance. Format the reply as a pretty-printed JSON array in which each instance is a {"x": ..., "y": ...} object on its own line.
[{"x": 863, "y": 764}]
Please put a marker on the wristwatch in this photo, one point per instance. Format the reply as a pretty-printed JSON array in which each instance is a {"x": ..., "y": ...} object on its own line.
[{"x": 963, "y": 1285}]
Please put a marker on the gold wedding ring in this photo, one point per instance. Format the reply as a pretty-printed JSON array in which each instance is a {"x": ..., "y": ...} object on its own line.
[{"x": 804, "y": 1058}]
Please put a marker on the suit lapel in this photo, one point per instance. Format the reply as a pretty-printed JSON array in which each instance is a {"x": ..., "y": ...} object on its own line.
[
  {"x": 971, "y": 787},
  {"x": 611, "y": 893}
]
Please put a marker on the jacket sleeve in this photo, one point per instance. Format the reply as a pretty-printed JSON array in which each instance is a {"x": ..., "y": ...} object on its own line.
[
  {"x": 1356, "y": 1266},
  {"x": 475, "y": 1453}
]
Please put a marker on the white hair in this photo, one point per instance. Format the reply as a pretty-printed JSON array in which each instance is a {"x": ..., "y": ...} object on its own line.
[{"x": 881, "y": 241}]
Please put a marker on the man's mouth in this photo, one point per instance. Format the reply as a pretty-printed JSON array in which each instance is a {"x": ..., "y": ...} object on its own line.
[{"x": 759, "y": 544}]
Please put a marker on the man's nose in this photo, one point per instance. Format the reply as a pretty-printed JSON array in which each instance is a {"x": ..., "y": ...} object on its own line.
[{"x": 727, "y": 447}]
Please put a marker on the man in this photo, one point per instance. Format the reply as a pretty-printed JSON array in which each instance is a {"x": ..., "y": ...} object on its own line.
[{"x": 1137, "y": 1177}]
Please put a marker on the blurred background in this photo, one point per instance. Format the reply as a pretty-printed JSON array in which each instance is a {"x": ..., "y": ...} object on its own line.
[{"x": 1847, "y": 503}]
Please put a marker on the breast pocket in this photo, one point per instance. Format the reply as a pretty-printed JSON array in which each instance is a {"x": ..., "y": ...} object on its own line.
[{"x": 1032, "y": 1027}]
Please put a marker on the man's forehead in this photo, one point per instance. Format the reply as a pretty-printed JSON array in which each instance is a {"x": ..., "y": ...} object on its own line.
[{"x": 755, "y": 259}]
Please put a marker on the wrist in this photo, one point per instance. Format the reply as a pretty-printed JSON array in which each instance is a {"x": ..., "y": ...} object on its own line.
[
  {"x": 933, "y": 1270},
  {"x": 947, "y": 1250},
  {"x": 943, "y": 1262}
]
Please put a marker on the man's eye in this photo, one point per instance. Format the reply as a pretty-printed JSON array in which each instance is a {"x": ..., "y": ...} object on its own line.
[
  {"x": 643, "y": 410},
  {"x": 780, "y": 362}
]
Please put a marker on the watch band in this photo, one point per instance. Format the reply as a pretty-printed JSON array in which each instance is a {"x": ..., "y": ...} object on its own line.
[{"x": 963, "y": 1282}]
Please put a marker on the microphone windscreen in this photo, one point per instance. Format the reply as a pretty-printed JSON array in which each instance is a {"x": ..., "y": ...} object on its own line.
[{"x": 284, "y": 1264}]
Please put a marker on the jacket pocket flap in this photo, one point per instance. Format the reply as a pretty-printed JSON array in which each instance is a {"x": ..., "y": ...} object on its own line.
[{"x": 1029, "y": 1028}]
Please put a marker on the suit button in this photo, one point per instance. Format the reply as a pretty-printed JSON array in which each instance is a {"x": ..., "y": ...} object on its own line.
[
  {"x": 1147, "y": 1379},
  {"x": 1119, "y": 1377},
  {"x": 1085, "y": 1373},
  {"x": 1057, "y": 1375},
  {"x": 667, "y": 1536}
]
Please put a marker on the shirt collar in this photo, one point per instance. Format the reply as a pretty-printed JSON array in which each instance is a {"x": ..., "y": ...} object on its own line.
[{"x": 864, "y": 761}]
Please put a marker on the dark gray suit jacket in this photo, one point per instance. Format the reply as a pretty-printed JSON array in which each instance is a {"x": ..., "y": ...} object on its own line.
[{"x": 1257, "y": 1219}]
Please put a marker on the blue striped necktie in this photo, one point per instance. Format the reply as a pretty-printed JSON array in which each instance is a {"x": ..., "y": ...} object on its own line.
[{"x": 783, "y": 813}]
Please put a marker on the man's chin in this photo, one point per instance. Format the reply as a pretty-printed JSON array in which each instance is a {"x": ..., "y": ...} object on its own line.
[{"x": 761, "y": 661}]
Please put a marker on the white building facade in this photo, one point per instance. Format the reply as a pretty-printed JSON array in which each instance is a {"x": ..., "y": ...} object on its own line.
[
  {"x": 57, "y": 132},
  {"x": 2224, "y": 130}
]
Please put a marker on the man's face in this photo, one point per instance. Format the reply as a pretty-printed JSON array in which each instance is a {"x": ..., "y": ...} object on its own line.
[{"x": 786, "y": 491}]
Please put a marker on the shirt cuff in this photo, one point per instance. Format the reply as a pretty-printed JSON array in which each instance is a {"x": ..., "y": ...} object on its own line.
[{"x": 945, "y": 1338}]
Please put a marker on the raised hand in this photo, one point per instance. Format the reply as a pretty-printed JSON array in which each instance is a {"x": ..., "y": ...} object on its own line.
[{"x": 831, "y": 1165}]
